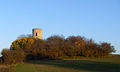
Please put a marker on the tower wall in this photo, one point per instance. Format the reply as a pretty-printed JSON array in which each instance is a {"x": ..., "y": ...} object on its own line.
[{"x": 37, "y": 33}]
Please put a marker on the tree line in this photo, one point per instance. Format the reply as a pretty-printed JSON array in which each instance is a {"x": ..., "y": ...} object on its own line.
[{"x": 54, "y": 47}]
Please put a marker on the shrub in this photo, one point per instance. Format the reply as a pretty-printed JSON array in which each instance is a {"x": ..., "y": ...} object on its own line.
[
  {"x": 23, "y": 43},
  {"x": 13, "y": 56}
]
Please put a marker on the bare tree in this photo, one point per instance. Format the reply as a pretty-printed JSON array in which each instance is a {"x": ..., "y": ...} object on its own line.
[{"x": 23, "y": 35}]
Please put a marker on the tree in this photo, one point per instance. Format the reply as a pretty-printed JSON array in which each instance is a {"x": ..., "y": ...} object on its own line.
[
  {"x": 107, "y": 48},
  {"x": 23, "y": 36},
  {"x": 55, "y": 46},
  {"x": 77, "y": 45},
  {"x": 39, "y": 50}
]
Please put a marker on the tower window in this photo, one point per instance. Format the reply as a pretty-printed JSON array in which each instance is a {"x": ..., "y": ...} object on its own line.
[{"x": 36, "y": 34}]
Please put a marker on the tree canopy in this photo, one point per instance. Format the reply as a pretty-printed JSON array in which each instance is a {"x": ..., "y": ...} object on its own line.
[{"x": 55, "y": 47}]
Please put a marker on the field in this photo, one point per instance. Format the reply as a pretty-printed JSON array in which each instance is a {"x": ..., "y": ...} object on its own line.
[{"x": 109, "y": 64}]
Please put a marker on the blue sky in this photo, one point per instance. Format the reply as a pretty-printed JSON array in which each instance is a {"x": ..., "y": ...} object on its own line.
[{"x": 97, "y": 19}]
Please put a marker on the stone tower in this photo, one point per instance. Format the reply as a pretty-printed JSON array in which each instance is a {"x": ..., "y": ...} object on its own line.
[{"x": 37, "y": 33}]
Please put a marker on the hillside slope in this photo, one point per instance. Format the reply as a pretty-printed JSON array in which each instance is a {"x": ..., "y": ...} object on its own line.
[{"x": 109, "y": 64}]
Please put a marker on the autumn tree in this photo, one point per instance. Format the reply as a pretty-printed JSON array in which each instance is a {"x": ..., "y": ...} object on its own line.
[
  {"x": 106, "y": 48},
  {"x": 39, "y": 50},
  {"x": 55, "y": 46},
  {"x": 77, "y": 44}
]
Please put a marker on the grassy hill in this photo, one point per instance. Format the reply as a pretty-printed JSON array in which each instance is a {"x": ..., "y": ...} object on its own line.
[{"x": 109, "y": 64}]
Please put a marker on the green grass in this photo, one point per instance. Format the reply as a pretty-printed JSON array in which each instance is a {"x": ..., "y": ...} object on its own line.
[{"x": 109, "y": 64}]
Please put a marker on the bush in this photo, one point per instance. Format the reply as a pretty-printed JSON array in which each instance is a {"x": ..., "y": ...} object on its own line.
[
  {"x": 13, "y": 56},
  {"x": 23, "y": 43}
]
